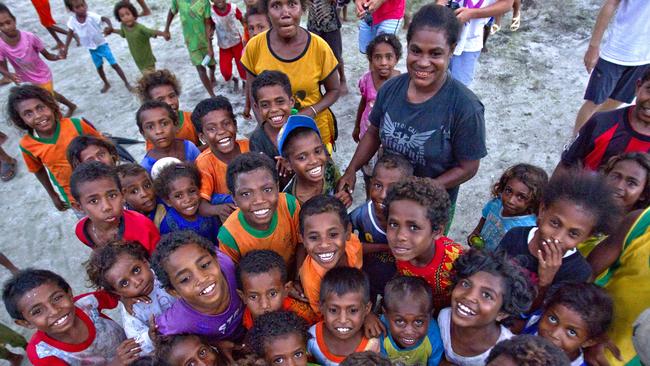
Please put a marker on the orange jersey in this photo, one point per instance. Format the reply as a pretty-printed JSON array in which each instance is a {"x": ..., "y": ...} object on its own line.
[
  {"x": 312, "y": 273},
  {"x": 186, "y": 130},
  {"x": 237, "y": 237},
  {"x": 213, "y": 171},
  {"x": 302, "y": 309},
  {"x": 50, "y": 152}
]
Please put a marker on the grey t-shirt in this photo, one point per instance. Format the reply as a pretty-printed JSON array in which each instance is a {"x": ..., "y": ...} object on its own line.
[
  {"x": 435, "y": 134},
  {"x": 260, "y": 142}
]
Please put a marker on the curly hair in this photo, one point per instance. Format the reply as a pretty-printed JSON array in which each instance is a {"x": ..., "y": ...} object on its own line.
[
  {"x": 645, "y": 77},
  {"x": 25, "y": 281},
  {"x": 245, "y": 163},
  {"x": 276, "y": 324},
  {"x": 91, "y": 171},
  {"x": 165, "y": 346},
  {"x": 533, "y": 177},
  {"x": 582, "y": 188},
  {"x": 154, "y": 104},
  {"x": 529, "y": 350},
  {"x": 170, "y": 173},
  {"x": 641, "y": 158},
  {"x": 81, "y": 143},
  {"x": 124, "y": 4},
  {"x": 218, "y": 103},
  {"x": 104, "y": 258},
  {"x": 171, "y": 242},
  {"x": 21, "y": 93},
  {"x": 263, "y": 6},
  {"x": 594, "y": 305},
  {"x": 153, "y": 79},
  {"x": 130, "y": 170},
  {"x": 394, "y": 161},
  {"x": 425, "y": 193},
  {"x": 407, "y": 287},
  {"x": 271, "y": 78},
  {"x": 261, "y": 261},
  {"x": 5, "y": 9},
  {"x": 321, "y": 204},
  {"x": 387, "y": 38},
  {"x": 366, "y": 358},
  {"x": 518, "y": 291},
  {"x": 344, "y": 280},
  {"x": 436, "y": 17}
]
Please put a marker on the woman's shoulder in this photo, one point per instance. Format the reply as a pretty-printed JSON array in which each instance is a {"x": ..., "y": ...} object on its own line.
[{"x": 462, "y": 93}]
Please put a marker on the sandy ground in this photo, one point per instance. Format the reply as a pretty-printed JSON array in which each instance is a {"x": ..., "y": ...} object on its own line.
[{"x": 531, "y": 83}]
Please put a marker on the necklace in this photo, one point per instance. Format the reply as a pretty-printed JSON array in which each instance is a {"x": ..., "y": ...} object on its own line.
[{"x": 98, "y": 239}]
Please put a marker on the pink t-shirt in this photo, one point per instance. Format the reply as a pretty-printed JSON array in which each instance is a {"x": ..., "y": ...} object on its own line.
[
  {"x": 367, "y": 89},
  {"x": 393, "y": 9},
  {"x": 25, "y": 59}
]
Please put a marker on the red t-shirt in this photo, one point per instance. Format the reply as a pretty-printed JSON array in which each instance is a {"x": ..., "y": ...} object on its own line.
[
  {"x": 302, "y": 309},
  {"x": 133, "y": 226}
]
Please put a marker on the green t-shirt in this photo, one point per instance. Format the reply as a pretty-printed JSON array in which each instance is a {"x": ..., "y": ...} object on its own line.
[
  {"x": 193, "y": 14},
  {"x": 137, "y": 38}
]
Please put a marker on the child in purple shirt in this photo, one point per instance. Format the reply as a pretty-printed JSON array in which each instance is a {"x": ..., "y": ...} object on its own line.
[{"x": 204, "y": 282}]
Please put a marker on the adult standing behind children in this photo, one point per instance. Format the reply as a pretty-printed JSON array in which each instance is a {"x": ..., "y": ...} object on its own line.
[
  {"x": 376, "y": 17},
  {"x": 306, "y": 59},
  {"x": 425, "y": 114},
  {"x": 623, "y": 58}
]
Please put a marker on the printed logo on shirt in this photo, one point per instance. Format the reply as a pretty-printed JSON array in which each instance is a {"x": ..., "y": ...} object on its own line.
[{"x": 405, "y": 139}]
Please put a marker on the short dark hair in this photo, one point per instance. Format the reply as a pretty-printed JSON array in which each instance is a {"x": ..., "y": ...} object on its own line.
[
  {"x": 263, "y": 5},
  {"x": 394, "y": 161},
  {"x": 5, "y": 9},
  {"x": 518, "y": 291},
  {"x": 154, "y": 104},
  {"x": 297, "y": 133},
  {"x": 425, "y": 193},
  {"x": 366, "y": 358},
  {"x": 21, "y": 93},
  {"x": 91, "y": 171},
  {"x": 529, "y": 350},
  {"x": 322, "y": 204},
  {"x": 25, "y": 281},
  {"x": 104, "y": 258},
  {"x": 646, "y": 76},
  {"x": 594, "y": 305},
  {"x": 256, "y": 11},
  {"x": 407, "y": 287},
  {"x": 533, "y": 177},
  {"x": 124, "y": 4},
  {"x": 171, "y": 242},
  {"x": 276, "y": 324},
  {"x": 68, "y": 3},
  {"x": 388, "y": 38},
  {"x": 206, "y": 106},
  {"x": 436, "y": 17},
  {"x": 641, "y": 158},
  {"x": 167, "y": 175},
  {"x": 581, "y": 188},
  {"x": 247, "y": 162},
  {"x": 144, "y": 361},
  {"x": 344, "y": 280},
  {"x": 261, "y": 261},
  {"x": 81, "y": 143},
  {"x": 130, "y": 170},
  {"x": 271, "y": 78},
  {"x": 155, "y": 78},
  {"x": 165, "y": 345}
]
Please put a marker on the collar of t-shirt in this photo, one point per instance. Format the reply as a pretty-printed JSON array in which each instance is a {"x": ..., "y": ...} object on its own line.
[{"x": 532, "y": 233}]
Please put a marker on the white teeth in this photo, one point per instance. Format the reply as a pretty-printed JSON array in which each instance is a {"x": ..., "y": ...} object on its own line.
[
  {"x": 190, "y": 209},
  {"x": 316, "y": 171},
  {"x": 326, "y": 257},
  {"x": 400, "y": 250},
  {"x": 343, "y": 330},
  {"x": 408, "y": 340},
  {"x": 61, "y": 320},
  {"x": 207, "y": 289},
  {"x": 224, "y": 141},
  {"x": 464, "y": 310},
  {"x": 276, "y": 118},
  {"x": 422, "y": 74},
  {"x": 261, "y": 213}
]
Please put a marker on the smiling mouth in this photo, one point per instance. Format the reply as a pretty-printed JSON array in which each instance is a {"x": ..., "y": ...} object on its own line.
[
  {"x": 190, "y": 209},
  {"x": 326, "y": 257},
  {"x": 343, "y": 330},
  {"x": 408, "y": 341},
  {"x": 464, "y": 310},
  {"x": 224, "y": 141},
  {"x": 422, "y": 74},
  {"x": 207, "y": 290},
  {"x": 277, "y": 119},
  {"x": 261, "y": 213},
  {"x": 61, "y": 320},
  {"x": 315, "y": 172}
]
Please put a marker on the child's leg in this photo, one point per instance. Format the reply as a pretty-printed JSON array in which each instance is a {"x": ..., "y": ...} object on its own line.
[
  {"x": 102, "y": 75},
  {"x": 145, "y": 9},
  {"x": 9, "y": 337},
  {"x": 7, "y": 163},
  {"x": 66, "y": 102},
  {"x": 238, "y": 51},
  {"x": 203, "y": 75},
  {"x": 119, "y": 71},
  {"x": 105, "y": 51},
  {"x": 225, "y": 63},
  {"x": 98, "y": 60}
]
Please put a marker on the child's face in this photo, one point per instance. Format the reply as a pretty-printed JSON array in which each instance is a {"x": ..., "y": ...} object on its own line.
[
  {"x": 263, "y": 292},
  {"x": 516, "y": 197},
  {"x": 138, "y": 192},
  {"x": 274, "y": 105},
  {"x": 285, "y": 17},
  {"x": 184, "y": 197},
  {"x": 7, "y": 25},
  {"x": 427, "y": 57},
  {"x": 219, "y": 131},
  {"x": 158, "y": 127},
  {"x": 191, "y": 351},
  {"x": 408, "y": 321},
  {"x": 250, "y": 3},
  {"x": 308, "y": 157},
  {"x": 165, "y": 94},
  {"x": 256, "y": 195},
  {"x": 409, "y": 232},
  {"x": 324, "y": 238},
  {"x": 628, "y": 178},
  {"x": 476, "y": 301},
  {"x": 257, "y": 23},
  {"x": 47, "y": 308},
  {"x": 130, "y": 277},
  {"x": 79, "y": 7},
  {"x": 383, "y": 60},
  {"x": 642, "y": 109},
  {"x": 220, "y": 4},
  {"x": 379, "y": 184},
  {"x": 196, "y": 277},
  {"x": 102, "y": 201},
  {"x": 565, "y": 328},
  {"x": 565, "y": 222},
  {"x": 37, "y": 115},
  {"x": 343, "y": 316},
  {"x": 289, "y": 349},
  {"x": 97, "y": 153},
  {"x": 126, "y": 17}
]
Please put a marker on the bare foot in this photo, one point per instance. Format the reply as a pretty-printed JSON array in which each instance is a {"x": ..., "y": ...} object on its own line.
[
  {"x": 236, "y": 85},
  {"x": 59, "y": 47},
  {"x": 105, "y": 88},
  {"x": 343, "y": 89},
  {"x": 71, "y": 109}
]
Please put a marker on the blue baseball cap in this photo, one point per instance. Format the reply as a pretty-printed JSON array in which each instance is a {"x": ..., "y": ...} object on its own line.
[{"x": 293, "y": 122}]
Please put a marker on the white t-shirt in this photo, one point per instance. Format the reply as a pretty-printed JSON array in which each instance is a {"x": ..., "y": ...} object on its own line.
[
  {"x": 471, "y": 38},
  {"x": 627, "y": 41},
  {"x": 444, "y": 322},
  {"x": 90, "y": 32}
]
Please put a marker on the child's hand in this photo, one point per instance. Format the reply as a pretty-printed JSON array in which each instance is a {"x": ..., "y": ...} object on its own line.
[
  {"x": 344, "y": 197},
  {"x": 296, "y": 291},
  {"x": 167, "y": 36},
  {"x": 346, "y": 182},
  {"x": 224, "y": 210},
  {"x": 128, "y": 303},
  {"x": 247, "y": 112},
  {"x": 595, "y": 355},
  {"x": 550, "y": 259},
  {"x": 226, "y": 349},
  {"x": 591, "y": 58},
  {"x": 128, "y": 351},
  {"x": 60, "y": 204},
  {"x": 14, "y": 77},
  {"x": 108, "y": 31},
  {"x": 372, "y": 326},
  {"x": 283, "y": 167},
  {"x": 355, "y": 134},
  {"x": 153, "y": 330},
  {"x": 464, "y": 15}
]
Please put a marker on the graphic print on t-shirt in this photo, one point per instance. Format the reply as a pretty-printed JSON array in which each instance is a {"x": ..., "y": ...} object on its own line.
[{"x": 405, "y": 139}]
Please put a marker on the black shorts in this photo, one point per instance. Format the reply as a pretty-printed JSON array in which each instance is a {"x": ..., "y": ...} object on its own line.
[
  {"x": 609, "y": 80},
  {"x": 335, "y": 42}
]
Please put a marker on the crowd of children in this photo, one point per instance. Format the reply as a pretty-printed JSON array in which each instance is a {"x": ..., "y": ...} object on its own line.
[{"x": 225, "y": 250}]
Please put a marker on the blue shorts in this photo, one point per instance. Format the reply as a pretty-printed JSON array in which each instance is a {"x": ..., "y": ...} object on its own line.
[
  {"x": 100, "y": 53},
  {"x": 611, "y": 81}
]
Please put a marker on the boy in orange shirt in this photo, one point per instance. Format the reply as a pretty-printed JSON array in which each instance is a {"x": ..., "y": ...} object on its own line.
[{"x": 265, "y": 218}]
